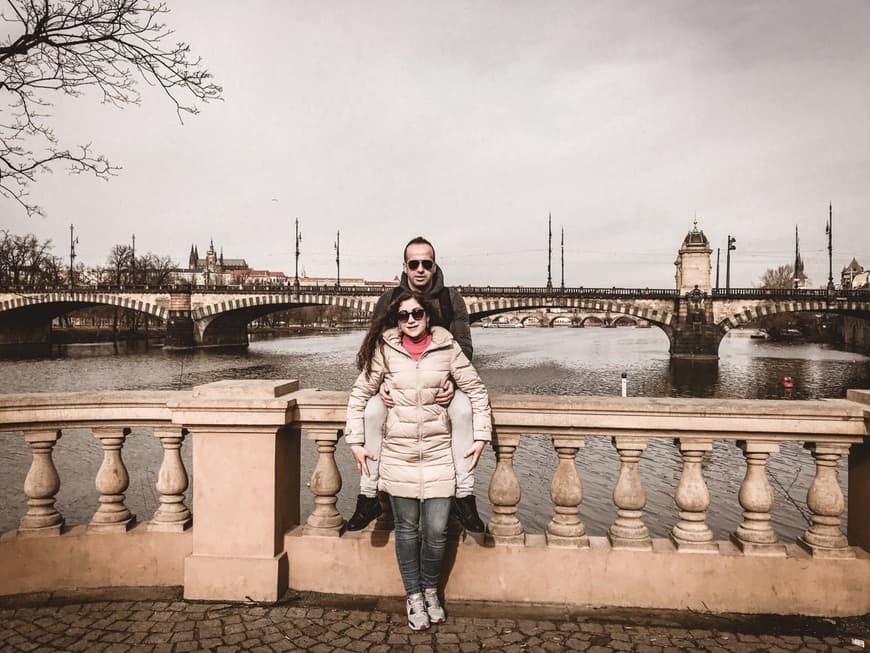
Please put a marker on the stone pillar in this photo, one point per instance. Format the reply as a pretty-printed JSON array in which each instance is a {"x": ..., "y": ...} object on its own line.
[
  {"x": 245, "y": 488},
  {"x": 629, "y": 531},
  {"x": 824, "y": 539},
  {"x": 112, "y": 481},
  {"x": 566, "y": 490},
  {"x": 41, "y": 486},
  {"x": 505, "y": 493},
  {"x": 755, "y": 535},
  {"x": 179, "y": 325},
  {"x": 691, "y": 533},
  {"x": 694, "y": 336},
  {"x": 172, "y": 515},
  {"x": 325, "y": 520}
]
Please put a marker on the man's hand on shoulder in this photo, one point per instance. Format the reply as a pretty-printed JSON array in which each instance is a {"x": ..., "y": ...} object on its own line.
[{"x": 445, "y": 395}]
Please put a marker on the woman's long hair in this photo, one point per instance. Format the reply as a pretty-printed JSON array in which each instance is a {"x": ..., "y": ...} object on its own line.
[{"x": 389, "y": 319}]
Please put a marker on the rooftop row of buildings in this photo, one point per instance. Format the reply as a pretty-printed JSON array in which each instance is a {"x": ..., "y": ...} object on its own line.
[{"x": 215, "y": 269}]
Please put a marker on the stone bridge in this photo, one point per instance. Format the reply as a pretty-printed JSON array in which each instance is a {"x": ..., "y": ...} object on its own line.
[
  {"x": 572, "y": 318},
  {"x": 695, "y": 321}
]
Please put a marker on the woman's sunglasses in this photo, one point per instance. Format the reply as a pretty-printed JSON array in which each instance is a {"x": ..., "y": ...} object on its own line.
[
  {"x": 426, "y": 263},
  {"x": 416, "y": 313}
]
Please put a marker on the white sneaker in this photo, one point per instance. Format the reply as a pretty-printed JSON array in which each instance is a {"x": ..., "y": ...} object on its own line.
[
  {"x": 417, "y": 617},
  {"x": 433, "y": 606}
]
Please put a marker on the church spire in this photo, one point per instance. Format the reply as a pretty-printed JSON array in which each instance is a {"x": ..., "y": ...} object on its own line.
[{"x": 800, "y": 277}]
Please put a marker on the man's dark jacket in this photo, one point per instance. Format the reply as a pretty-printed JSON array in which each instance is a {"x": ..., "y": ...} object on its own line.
[{"x": 458, "y": 325}]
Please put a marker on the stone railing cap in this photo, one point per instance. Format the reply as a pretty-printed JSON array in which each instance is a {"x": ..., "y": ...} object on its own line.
[{"x": 246, "y": 389}]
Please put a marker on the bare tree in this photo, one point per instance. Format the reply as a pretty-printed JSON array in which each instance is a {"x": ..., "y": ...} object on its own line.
[
  {"x": 781, "y": 277},
  {"x": 119, "y": 260},
  {"x": 158, "y": 269},
  {"x": 68, "y": 47}
]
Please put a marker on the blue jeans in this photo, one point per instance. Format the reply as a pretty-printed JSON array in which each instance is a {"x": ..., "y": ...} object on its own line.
[{"x": 420, "y": 563}]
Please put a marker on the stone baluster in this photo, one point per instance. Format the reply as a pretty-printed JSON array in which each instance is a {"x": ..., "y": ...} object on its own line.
[
  {"x": 41, "y": 486},
  {"x": 112, "y": 481},
  {"x": 692, "y": 498},
  {"x": 325, "y": 520},
  {"x": 505, "y": 493},
  {"x": 755, "y": 535},
  {"x": 628, "y": 530},
  {"x": 172, "y": 515},
  {"x": 824, "y": 539},
  {"x": 566, "y": 491}
]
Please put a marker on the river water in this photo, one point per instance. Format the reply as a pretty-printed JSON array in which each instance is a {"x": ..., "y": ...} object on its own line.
[{"x": 559, "y": 361}]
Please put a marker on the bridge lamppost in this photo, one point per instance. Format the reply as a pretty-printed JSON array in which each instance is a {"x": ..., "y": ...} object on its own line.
[
  {"x": 133, "y": 262},
  {"x": 72, "y": 255},
  {"x": 563, "y": 258},
  {"x": 829, "y": 228},
  {"x": 717, "y": 268},
  {"x": 549, "y": 251},
  {"x": 731, "y": 247},
  {"x": 337, "y": 259},
  {"x": 298, "y": 240}
]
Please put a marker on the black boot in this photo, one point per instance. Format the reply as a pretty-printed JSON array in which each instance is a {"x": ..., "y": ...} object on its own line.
[
  {"x": 367, "y": 509},
  {"x": 465, "y": 509}
]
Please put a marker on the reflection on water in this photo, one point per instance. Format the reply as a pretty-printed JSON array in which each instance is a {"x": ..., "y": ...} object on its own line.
[{"x": 536, "y": 361}]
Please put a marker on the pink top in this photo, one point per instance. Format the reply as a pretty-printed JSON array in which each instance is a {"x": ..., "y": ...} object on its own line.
[{"x": 416, "y": 349}]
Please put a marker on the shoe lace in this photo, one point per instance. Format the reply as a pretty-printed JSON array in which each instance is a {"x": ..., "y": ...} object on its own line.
[
  {"x": 416, "y": 604},
  {"x": 431, "y": 598}
]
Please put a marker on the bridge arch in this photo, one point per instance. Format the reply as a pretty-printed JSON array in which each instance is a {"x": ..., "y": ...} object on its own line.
[
  {"x": 281, "y": 302},
  {"x": 747, "y": 315},
  {"x": 561, "y": 320},
  {"x": 625, "y": 320},
  {"x": 596, "y": 320},
  {"x": 657, "y": 312},
  {"x": 225, "y": 323},
  {"x": 62, "y": 303}
]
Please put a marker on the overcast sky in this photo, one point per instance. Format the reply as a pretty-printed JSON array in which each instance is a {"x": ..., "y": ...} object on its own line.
[{"x": 469, "y": 122}]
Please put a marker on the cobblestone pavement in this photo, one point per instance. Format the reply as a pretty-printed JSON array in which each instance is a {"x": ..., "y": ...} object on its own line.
[{"x": 149, "y": 619}]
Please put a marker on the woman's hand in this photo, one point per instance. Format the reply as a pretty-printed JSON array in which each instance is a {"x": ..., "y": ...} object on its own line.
[
  {"x": 474, "y": 453},
  {"x": 386, "y": 397},
  {"x": 445, "y": 395},
  {"x": 360, "y": 454}
]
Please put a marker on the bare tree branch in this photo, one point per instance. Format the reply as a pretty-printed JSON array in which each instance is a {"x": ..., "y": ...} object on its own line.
[
  {"x": 70, "y": 47},
  {"x": 779, "y": 277}
]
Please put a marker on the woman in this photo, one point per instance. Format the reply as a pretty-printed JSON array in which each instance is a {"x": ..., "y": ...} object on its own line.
[{"x": 416, "y": 462}]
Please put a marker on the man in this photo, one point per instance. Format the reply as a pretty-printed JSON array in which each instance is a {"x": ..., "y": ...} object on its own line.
[{"x": 420, "y": 273}]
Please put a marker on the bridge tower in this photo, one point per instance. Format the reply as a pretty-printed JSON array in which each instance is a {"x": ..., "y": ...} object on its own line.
[
  {"x": 695, "y": 336},
  {"x": 693, "y": 262}
]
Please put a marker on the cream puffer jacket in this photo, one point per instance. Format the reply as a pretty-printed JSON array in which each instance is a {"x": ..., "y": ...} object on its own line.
[{"x": 416, "y": 458}]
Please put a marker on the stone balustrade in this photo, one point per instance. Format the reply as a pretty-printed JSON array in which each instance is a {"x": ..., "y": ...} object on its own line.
[
  {"x": 249, "y": 540},
  {"x": 110, "y": 416}
]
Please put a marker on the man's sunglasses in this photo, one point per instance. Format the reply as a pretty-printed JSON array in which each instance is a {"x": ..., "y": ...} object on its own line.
[
  {"x": 416, "y": 313},
  {"x": 426, "y": 263}
]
